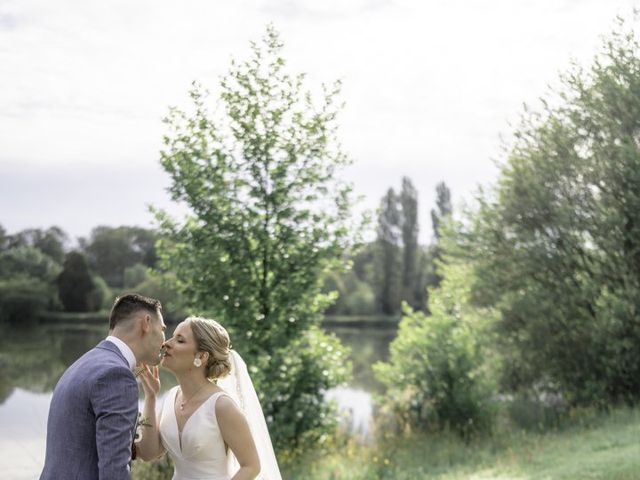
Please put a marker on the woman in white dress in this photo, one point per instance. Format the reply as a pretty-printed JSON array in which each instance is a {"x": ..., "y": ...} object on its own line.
[{"x": 211, "y": 422}]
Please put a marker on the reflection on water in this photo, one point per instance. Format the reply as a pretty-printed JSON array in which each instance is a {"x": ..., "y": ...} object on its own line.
[
  {"x": 23, "y": 421},
  {"x": 32, "y": 361},
  {"x": 35, "y": 359},
  {"x": 356, "y": 407},
  {"x": 355, "y": 401}
]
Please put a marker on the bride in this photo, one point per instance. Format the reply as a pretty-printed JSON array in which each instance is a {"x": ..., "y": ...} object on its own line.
[{"x": 211, "y": 423}]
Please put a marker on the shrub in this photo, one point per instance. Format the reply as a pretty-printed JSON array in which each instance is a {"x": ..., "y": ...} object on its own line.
[{"x": 439, "y": 375}]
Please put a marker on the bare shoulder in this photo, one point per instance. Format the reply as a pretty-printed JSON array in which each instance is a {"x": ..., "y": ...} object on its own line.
[{"x": 225, "y": 406}]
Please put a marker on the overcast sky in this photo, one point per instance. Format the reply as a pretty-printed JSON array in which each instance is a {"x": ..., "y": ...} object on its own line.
[{"x": 430, "y": 87}]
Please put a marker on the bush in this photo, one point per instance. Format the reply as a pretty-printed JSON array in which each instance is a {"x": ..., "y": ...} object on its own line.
[
  {"x": 101, "y": 296},
  {"x": 355, "y": 297},
  {"x": 162, "y": 286},
  {"x": 439, "y": 375},
  {"x": 134, "y": 275},
  {"x": 22, "y": 298},
  {"x": 294, "y": 381},
  {"x": 27, "y": 261}
]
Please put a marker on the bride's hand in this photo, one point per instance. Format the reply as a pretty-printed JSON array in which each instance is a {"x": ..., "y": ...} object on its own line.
[{"x": 150, "y": 380}]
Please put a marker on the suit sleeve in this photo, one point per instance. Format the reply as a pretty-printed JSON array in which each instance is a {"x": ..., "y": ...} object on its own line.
[{"x": 115, "y": 403}]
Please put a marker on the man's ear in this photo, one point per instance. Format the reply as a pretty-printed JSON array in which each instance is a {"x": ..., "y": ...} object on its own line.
[{"x": 146, "y": 323}]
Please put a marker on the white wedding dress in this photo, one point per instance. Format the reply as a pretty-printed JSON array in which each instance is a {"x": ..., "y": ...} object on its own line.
[{"x": 199, "y": 452}]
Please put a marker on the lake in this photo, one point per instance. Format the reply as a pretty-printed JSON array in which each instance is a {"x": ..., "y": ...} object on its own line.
[{"x": 32, "y": 361}]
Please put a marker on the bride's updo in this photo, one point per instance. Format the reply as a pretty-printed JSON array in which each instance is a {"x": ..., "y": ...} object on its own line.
[{"x": 211, "y": 337}]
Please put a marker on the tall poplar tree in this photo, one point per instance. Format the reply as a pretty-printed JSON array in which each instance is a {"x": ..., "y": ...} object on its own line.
[
  {"x": 388, "y": 255},
  {"x": 410, "y": 253}
]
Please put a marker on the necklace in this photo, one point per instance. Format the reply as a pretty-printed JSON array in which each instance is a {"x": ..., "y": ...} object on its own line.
[{"x": 182, "y": 404}]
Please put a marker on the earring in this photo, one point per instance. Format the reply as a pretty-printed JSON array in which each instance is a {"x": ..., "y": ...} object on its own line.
[{"x": 197, "y": 362}]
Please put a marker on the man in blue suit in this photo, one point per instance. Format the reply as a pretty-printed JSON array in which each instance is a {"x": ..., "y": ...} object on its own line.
[{"x": 95, "y": 403}]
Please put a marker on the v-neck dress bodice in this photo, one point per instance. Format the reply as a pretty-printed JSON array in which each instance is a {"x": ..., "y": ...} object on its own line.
[{"x": 199, "y": 452}]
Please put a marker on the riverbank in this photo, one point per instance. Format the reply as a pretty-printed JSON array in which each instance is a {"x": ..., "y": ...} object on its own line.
[
  {"x": 100, "y": 317},
  {"x": 594, "y": 446}
]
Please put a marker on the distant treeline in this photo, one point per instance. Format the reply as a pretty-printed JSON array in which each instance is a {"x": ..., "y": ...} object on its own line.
[{"x": 39, "y": 271}]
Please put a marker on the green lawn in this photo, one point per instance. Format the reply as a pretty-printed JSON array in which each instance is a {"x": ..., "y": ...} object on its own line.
[{"x": 602, "y": 447}]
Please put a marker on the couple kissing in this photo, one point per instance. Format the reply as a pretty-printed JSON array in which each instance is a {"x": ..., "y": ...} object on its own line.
[{"x": 210, "y": 424}]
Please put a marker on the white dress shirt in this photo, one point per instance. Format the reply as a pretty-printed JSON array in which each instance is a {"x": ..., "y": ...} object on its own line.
[{"x": 124, "y": 349}]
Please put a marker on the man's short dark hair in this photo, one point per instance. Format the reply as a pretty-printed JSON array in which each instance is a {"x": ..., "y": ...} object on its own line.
[{"x": 128, "y": 304}]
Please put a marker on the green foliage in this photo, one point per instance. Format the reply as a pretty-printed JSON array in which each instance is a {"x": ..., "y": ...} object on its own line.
[
  {"x": 556, "y": 247},
  {"x": 388, "y": 259},
  {"x": 159, "y": 470},
  {"x": 355, "y": 297},
  {"x": 604, "y": 448},
  {"x": 135, "y": 275},
  {"x": 111, "y": 250},
  {"x": 269, "y": 216},
  {"x": 50, "y": 242},
  {"x": 439, "y": 216},
  {"x": 162, "y": 285},
  {"x": 3, "y": 238},
  {"x": 440, "y": 374},
  {"x": 400, "y": 266},
  {"x": 100, "y": 297},
  {"x": 291, "y": 379},
  {"x": 411, "y": 288},
  {"x": 26, "y": 284},
  {"x": 22, "y": 298},
  {"x": 28, "y": 262},
  {"x": 75, "y": 283},
  {"x": 443, "y": 208}
]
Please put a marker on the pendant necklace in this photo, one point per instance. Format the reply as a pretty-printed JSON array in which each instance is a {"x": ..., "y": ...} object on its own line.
[{"x": 182, "y": 404}]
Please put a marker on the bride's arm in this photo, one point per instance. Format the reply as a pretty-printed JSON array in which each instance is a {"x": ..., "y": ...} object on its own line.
[
  {"x": 236, "y": 434},
  {"x": 150, "y": 447}
]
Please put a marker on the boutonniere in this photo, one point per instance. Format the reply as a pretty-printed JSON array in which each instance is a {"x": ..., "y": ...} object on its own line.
[{"x": 141, "y": 422}]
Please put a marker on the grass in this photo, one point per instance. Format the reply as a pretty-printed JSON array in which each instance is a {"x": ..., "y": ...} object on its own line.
[{"x": 605, "y": 446}]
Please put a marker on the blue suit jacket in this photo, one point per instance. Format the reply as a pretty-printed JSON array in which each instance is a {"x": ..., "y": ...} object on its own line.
[{"x": 92, "y": 418}]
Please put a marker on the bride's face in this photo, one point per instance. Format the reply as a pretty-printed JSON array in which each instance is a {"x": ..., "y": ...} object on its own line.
[{"x": 180, "y": 349}]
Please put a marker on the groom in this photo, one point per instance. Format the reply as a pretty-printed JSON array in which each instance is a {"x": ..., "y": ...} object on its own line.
[{"x": 95, "y": 403}]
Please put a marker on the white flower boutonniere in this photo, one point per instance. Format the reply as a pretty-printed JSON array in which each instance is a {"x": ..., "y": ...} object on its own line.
[{"x": 140, "y": 424}]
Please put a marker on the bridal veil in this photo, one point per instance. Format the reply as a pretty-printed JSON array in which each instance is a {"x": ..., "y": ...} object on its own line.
[{"x": 239, "y": 387}]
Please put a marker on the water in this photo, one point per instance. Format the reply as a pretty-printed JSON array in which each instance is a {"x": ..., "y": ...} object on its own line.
[{"x": 32, "y": 361}]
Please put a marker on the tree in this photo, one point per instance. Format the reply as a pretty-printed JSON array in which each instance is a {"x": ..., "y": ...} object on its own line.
[
  {"x": 439, "y": 215},
  {"x": 75, "y": 283},
  {"x": 556, "y": 246},
  {"x": 410, "y": 252},
  {"x": 51, "y": 241},
  {"x": 27, "y": 262},
  {"x": 26, "y": 284},
  {"x": 443, "y": 208},
  {"x": 111, "y": 250},
  {"x": 268, "y": 216},
  {"x": 388, "y": 259},
  {"x": 3, "y": 238}
]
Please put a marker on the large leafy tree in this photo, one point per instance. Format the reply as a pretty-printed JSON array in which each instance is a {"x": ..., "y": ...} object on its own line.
[
  {"x": 268, "y": 217},
  {"x": 557, "y": 244},
  {"x": 51, "y": 242},
  {"x": 75, "y": 283},
  {"x": 27, "y": 278},
  {"x": 111, "y": 250}
]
